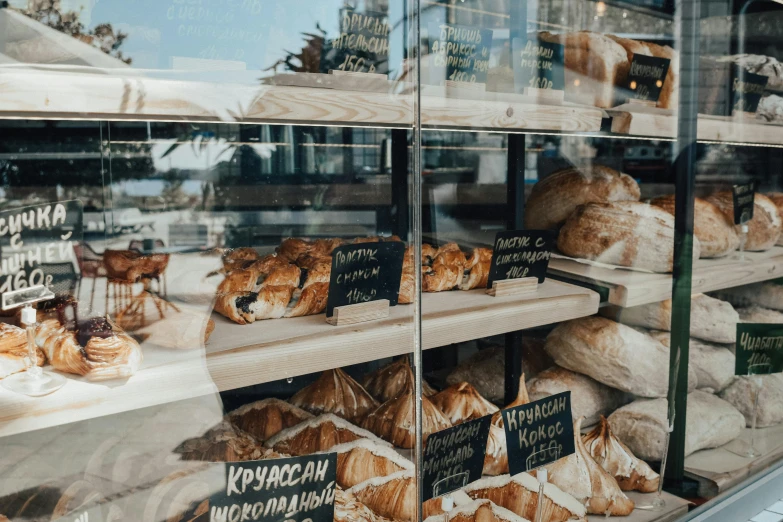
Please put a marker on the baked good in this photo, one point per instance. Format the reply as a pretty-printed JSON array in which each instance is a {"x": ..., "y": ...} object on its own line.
[
  {"x": 266, "y": 418},
  {"x": 288, "y": 275},
  {"x": 519, "y": 494},
  {"x": 94, "y": 348},
  {"x": 446, "y": 270},
  {"x": 776, "y": 197},
  {"x": 770, "y": 109},
  {"x": 434, "y": 506},
  {"x": 741, "y": 394},
  {"x": 407, "y": 285},
  {"x": 477, "y": 268},
  {"x": 13, "y": 350},
  {"x": 760, "y": 64},
  {"x": 593, "y": 64},
  {"x": 669, "y": 91},
  {"x": 310, "y": 300},
  {"x": 237, "y": 257},
  {"x": 763, "y": 230},
  {"x": 290, "y": 249},
  {"x": 642, "y": 425},
  {"x": 496, "y": 457},
  {"x": 625, "y": 233},
  {"x": 269, "y": 302},
  {"x": 711, "y": 319},
  {"x": 12, "y": 338},
  {"x": 481, "y": 510},
  {"x": 389, "y": 381},
  {"x": 714, "y": 230},
  {"x": 630, "y": 472},
  {"x": 394, "y": 419},
  {"x": 335, "y": 392},
  {"x": 179, "y": 496},
  {"x": 393, "y": 496},
  {"x": 609, "y": 352},
  {"x": 589, "y": 398},
  {"x": 224, "y": 443},
  {"x": 348, "y": 509},
  {"x": 363, "y": 459},
  {"x": 766, "y": 294},
  {"x": 758, "y": 314},
  {"x": 712, "y": 363},
  {"x": 584, "y": 479},
  {"x": 556, "y": 196},
  {"x": 318, "y": 434},
  {"x": 461, "y": 402},
  {"x": 131, "y": 266}
]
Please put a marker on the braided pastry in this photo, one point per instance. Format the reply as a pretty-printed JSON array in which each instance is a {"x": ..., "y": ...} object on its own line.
[
  {"x": 269, "y": 302},
  {"x": 478, "y": 266}
]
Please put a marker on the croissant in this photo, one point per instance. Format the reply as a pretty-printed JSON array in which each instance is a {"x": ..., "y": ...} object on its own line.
[
  {"x": 348, "y": 509},
  {"x": 236, "y": 257},
  {"x": 478, "y": 264},
  {"x": 224, "y": 443},
  {"x": 630, "y": 472},
  {"x": 292, "y": 248},
  {"x": 389, "y": 381},
  {"x": 439, "y": 278},
  {"x": 283, "y": 276},
  {"x": 393, "y": 496},
  {"x": 98, "y": 350},
  {"x": 310, "y": 300},
  {"x": 324, "y": 247},
  {"x": 434, "y": 506},
  {"x": 519, "y": 494},
  {"x": 266, "y": 418},
  {"x": 428, "y": 252},
  {"x": 496, "y": 458},
  {"x": 581, "y": 476},
  {"x": 407, "y": 286},
  {"x": 336, "y": 392},
  {"x": 238, "y": 280},
  {"x": 363, "y": 459},
  {"x": 12, "y": 338},
  {"x": 461, "y": 402},
  {"x": 13, "y": 361},
  {"x": 393, "y": 420},
  {"x": 269, "y": 302},
  {"x": 318, "y": 434},
  {"x": 482, "y": 510}
]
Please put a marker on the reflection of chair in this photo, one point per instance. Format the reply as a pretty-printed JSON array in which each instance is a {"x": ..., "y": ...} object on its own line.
[
  {"x": 63, "y": 278},
  {"x": 138, "y": 245},
  {"x": 90, "y": 266}
]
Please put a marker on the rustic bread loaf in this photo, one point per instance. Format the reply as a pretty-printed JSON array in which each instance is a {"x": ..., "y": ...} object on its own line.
[
  {"x": 741, "y": 395},
  {"x": 624, "y": 233},
  {"x": 715, "y": 231},
  {"x": 713, "y": 363},
  {"x": 613, "y": 354},
  {"x": 556, "y": 196},
  {"x": 711, "y": 319},
  {"x": 766, "y": 294},
  {"x": 710, "y": 422},
  {"x": 777, "y": 199},
  {"x": 589, "y": 398},
  {"x": 757, "y": 314},
  {"x": 763, "y": 230},
  {"x": 670, "y": 90}
]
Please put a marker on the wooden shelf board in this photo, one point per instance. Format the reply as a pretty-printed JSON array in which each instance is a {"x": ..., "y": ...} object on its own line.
[
  {"x": 719, "y": 469},
  {"x": 238, "y": 356},
  {"x": 674, "y": 509},
  {"x": 629, "y": 288}
]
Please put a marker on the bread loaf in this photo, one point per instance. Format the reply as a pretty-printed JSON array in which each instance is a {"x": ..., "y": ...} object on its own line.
[
  {"x": 589, "y": 398},
  {"x": 556, "y": 196},
  {"x": 757, "y": 314},
  {"x": 777, "y": 199},
  {"x": 614, "y": 354},
  {"x": 763, "y": 230},
  {"x": 742, "y": 393},
  {"x": 625, "y": 234},
  {"x": 711, "y": 319},
  {"x": 670, "y": 90},
  {"x": 710, "y": 422},
  {"x": 766, "y": 294},
  {"x": 714, "y": 230},
  {"x": 713, "y": 363}
]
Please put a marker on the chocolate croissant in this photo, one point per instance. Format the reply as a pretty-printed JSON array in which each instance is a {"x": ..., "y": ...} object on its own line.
[
  {"x": 335, "y": 392},
  {"x": 266, "y": 418},
  {"x": 318, "y": 434},
  {"x": 393, "y": 379}
]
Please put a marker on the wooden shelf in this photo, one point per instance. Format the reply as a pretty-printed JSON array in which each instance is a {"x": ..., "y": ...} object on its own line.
[
  {"x": 628, "y": 288},
  {"x": 238, "y": 356},
  {"x": 674, "y": 509}
]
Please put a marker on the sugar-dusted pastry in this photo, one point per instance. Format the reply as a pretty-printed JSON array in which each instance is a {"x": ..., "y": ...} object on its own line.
[
  {"x": 348, "y": 509},
  {"x": 481, "y": 510},
  {"x": 583, "y": 478},
  {"x": 269, "y": 302},
  {"x": 318, "y": 434},
  {"x": 461, "y": 402},
  {"x": 336, "y": 392},
  {"x": 393, "y": 496},
  {"x": 434, "y": 506},
  {"x": 630, "y": 472},
  {"x": 266, "y": 418},
  {"x": 765, "y": 227},
  {"x": 389, "y": 381},
  {"x": 519, "y": 494},
  {"x": 224, "y": 443},
  {"x": 393, "y": 420},
  {"x": 363, "y": 459},
  {"x": 477, "y": 269},
  {"x": 94, "y": 348},
  {"x": 496, "y": 458}
]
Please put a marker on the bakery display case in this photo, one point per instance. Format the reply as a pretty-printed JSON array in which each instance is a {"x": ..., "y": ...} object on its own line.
[{"x": 369, "y": 261}]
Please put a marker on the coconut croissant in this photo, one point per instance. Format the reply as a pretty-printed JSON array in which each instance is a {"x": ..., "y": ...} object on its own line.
[
  {"x": 496, "y": 458},
  {"x": 335, "y": 392}
]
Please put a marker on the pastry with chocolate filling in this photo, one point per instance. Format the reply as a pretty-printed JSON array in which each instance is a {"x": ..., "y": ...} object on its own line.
[
  {"x": 318, "y": 434},
  {"x": 270, "y": 302},
  {"x": 224, "y": 443},
  {"x": 266, "y": 418},
  {"x": 364, "y": 459},
  {"x": 477, "y": 269},
  {"x": 237, "y": 257},
  {"x": 389, "y": 381},
  {"x": 481, "y": 510},
  {"x": 348, "y": 509},
  {"x": 335, "y": 392},
  {"x": 461, "y": 402}
]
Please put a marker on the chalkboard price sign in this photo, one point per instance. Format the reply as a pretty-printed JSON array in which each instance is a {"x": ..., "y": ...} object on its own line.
[
  {"x": 759, "y": 349},
  {"x": 746, "y": 89},
  {"x": 646, "y": 77},
  {"x": 452, "y": 453},
  {"x": 538, "y": 64},
  {"x": 521, "y": 253},
  {"x": 459, "y": 53},
  {"x": 365, "y": 272},
  {"x": 295, "y": 489},
  {"x": 744, "y": 197},
  {"x": 362, "y": 46},
  {"x": 539, "y": 433}
]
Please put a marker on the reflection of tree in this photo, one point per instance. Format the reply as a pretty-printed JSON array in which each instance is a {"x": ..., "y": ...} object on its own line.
[
  {"x": 103, "y": 36},
  {"x": 308, "y": 59}
]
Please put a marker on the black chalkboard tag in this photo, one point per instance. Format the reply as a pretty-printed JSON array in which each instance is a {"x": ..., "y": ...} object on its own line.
[
  {"x": 90, "y": 514},
  {"x": 746, "y": 90},
  {"x": 292, "y": 489},
  {"x": 646, "y": 77},
  {"x": 539, "y": 432},
  {"x": 44, "y": 237},
  {"x": 365, "y": 272},
  {"x": 454, "y": 457},
  {"x": 521, "y": 253},
  {"x": 744, "y": 197},
  {"x": 362, "y": 45},
  {"x": 759, "y": 349},
  {"x": 538, "y": 65},
  {"x": 458, "y": 53}
]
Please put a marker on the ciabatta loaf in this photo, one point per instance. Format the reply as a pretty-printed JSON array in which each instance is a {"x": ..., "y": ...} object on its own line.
[
  {"x": 710, "y": 422},
  {"x": 669, "y": 95},
  {"x": 766, "y": 294},
  {"x": 712, "y": 363},
  {"x": 758, "y": 314},
  {"x": 626, "y": 233},
  {"x": 777, "y": 199},
  {"x": 763, "y": 230},
  {"x": 556, "y": 196},
  {"x": 714, "y": 230},
  {"x": 741, "y": 394},
  {"x": 614, "y": 354}
]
